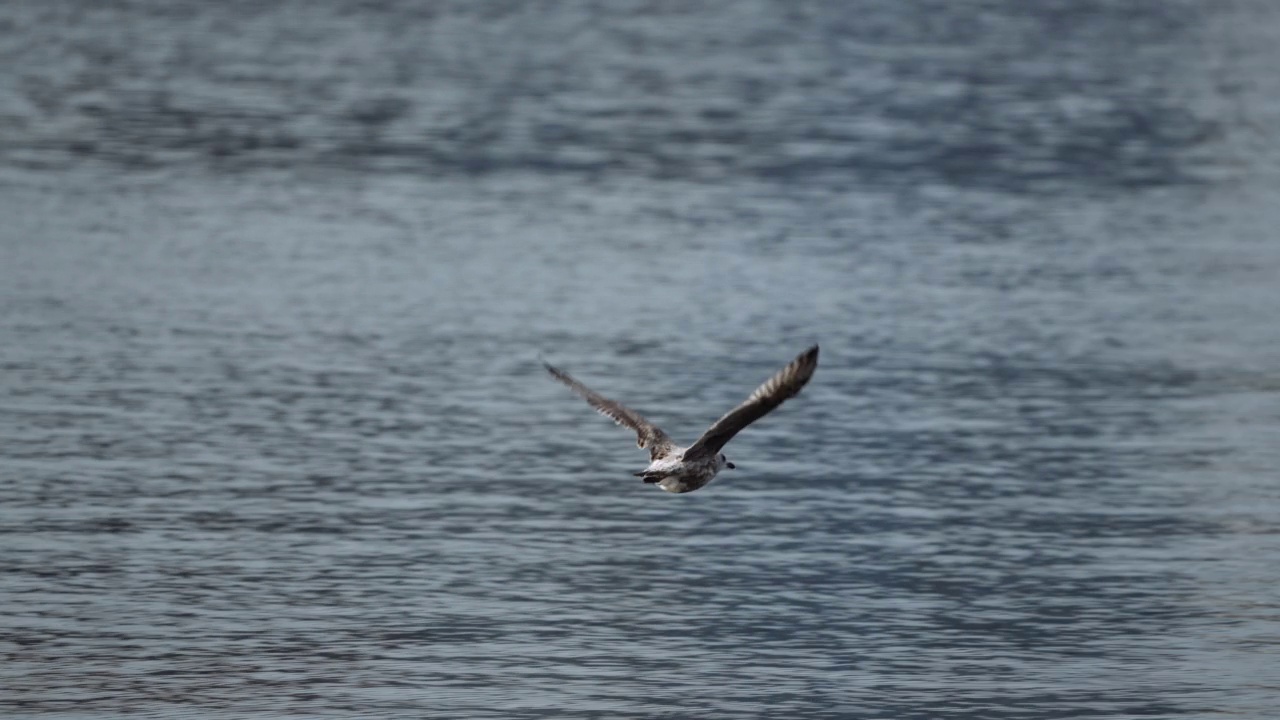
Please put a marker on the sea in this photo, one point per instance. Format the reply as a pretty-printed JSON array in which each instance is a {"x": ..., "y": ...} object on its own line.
[{"x": 278, "y": 280}]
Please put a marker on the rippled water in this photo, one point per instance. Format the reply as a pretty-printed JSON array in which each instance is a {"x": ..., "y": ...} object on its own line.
[{"x": 275, "y": 282}]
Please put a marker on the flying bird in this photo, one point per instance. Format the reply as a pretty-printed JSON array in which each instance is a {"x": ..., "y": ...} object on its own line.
[{"x": 680, "y": 470}]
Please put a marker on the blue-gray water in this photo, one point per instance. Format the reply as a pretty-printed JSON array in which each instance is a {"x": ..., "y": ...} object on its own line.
[{"x": 275, "y": 280}]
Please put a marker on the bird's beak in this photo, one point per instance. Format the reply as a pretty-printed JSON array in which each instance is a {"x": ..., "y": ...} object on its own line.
[{"x": 731, "y": 466}]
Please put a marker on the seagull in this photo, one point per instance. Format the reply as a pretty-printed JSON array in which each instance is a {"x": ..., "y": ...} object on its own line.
[{"x": 681, "y": 470}]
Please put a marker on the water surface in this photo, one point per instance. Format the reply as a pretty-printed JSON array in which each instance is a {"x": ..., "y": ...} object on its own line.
[{"x": 275, "y": 283}]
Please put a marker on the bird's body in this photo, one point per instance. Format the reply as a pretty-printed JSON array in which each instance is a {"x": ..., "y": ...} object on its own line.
[
  {"x": 685, "y": 469},
  {"x": 673, "y": 474}
]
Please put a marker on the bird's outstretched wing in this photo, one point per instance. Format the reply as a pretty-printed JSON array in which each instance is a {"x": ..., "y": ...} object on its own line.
[
  {"x": 648, "y": 435},
  {"x": 785, "y": 384}
]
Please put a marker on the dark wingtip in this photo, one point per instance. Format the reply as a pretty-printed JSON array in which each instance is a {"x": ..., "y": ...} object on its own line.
[
  {"x": 557, "y": 373},
  {"x": 811, "y": 353},
  {"x": 562, "y": 377}
]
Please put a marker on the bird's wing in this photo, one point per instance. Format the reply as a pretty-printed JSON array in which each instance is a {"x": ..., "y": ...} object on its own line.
[
  {"x": 785, "y": 384},
  {"x": 648, "y": 435}
]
